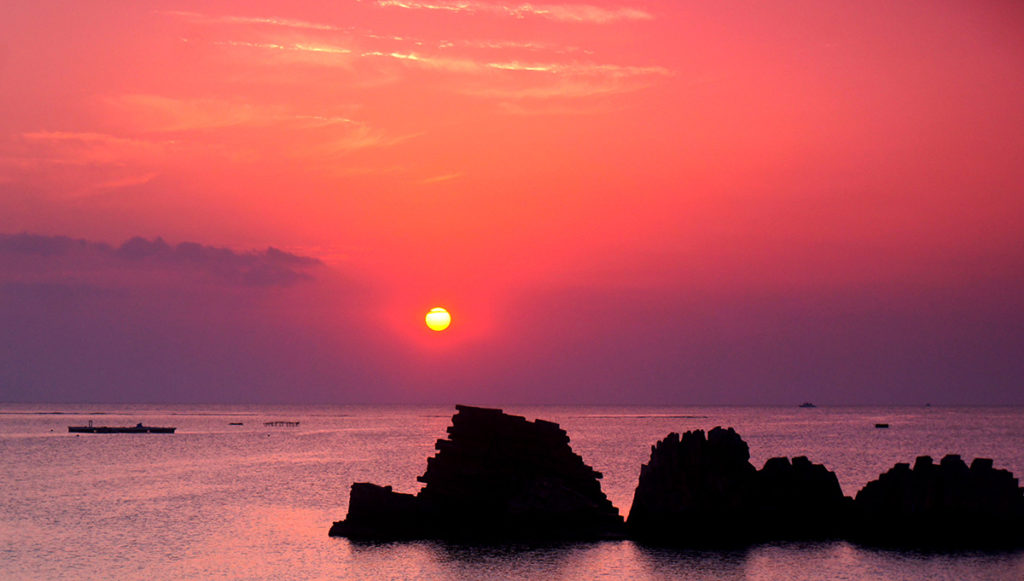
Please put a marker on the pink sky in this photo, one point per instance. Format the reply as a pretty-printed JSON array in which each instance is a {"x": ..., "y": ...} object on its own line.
[{"x": 619, "y": 201}]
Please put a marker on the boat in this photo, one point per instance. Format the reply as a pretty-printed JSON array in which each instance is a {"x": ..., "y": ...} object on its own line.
[
  {"x": 235, "y": 423},
  {"x": 882, "y": 426},
  {"x": 808, "y": 404},
  {"x": 136, "y": 429}
]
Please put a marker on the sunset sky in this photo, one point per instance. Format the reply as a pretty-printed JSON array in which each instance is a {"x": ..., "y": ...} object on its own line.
[{"x": 618, "y": 201}]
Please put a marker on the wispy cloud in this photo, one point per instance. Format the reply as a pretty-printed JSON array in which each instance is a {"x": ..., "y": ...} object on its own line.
[
  {"x": 323, "y": 51},
  {"x": 516, "y": 66},
  {"x": 508, "y": 70},
  {"x": 505, "y": 45},
  {"x": 305, "y": 40},
  {"x": 73, "y": 164},
  {"x": 157, "y": 113},
  {"x": 304, "y": 51},
  {"x": 294, "y": 47},
  {"x": 322, "y": 121},
  {"x": 357, "y": 138},
  {"x": 581, "y": 69},
  {"x": 441, "y": 63},
  {"x": 584, "y": 13},
  {"x": 558, "y": 89},
  {"x": 442, "y": 178},
  {"x": 553, "y": 79},
  {"x": 259, "y": 126},
  {"x": 577, "y": 69},
  {"x": 562, "y": 12},
  {"x": 258, "y": 20},
  {"x": 515, "y": 105},
  {"x": 151, "y": 135},
  {"x": 87, "y": 148}
]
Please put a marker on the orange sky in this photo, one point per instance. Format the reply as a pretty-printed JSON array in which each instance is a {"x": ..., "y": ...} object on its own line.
[{"x": 674, "y": 159}]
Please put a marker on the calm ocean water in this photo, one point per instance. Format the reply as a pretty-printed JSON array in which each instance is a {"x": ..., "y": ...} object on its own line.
[{"x": 255, "y": 502}]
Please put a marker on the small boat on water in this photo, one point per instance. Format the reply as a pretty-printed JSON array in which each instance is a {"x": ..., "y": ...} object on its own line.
[
  {"x": 808, "y": 404},
  {"x": 136, "y": 429}
]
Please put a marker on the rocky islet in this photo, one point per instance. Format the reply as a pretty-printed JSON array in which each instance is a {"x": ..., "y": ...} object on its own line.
[{"x": 501, "y": 477}]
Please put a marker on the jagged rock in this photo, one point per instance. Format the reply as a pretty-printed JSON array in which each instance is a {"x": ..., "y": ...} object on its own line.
[
  {"x": 500, "y": 477},
  {"x": 697, "y": 490},
  {"x": 799, "y": 499},
  {"x": 496, "y": 476},
  {"x": 941, "y": 505},
  {"x": 693, "y": 488},
  {"x": 373, "y": 508}
]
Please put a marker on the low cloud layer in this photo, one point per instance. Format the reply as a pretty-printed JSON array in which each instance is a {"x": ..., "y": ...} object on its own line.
[
  {"x": 262, "y": 268},
  {"x": 147, "y": 320}
]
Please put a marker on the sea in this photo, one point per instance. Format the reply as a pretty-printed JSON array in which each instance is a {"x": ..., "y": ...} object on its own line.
[{"x": 229, "y": 497}]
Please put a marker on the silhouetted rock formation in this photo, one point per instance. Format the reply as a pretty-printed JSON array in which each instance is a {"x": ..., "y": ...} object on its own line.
[
  {"x": 498, "y": 476},
  {"x": 693, "y": 487},
  {"x": 799, "y": 500},
  {"x": 945, "y": 505},
  {"x": 705, "y": 491},
  {"x": 377, "y": 512}
]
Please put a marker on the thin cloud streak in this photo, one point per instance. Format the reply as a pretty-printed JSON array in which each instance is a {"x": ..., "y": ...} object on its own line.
[
  {"x": 359, "y": 138},
  {"x": 156, "y": 136},
  {"x": 320, "y": 52},
  {"x": 446, "y": 64},
  {"x": 294, "y": 47},
  {"x": 315, "y": 26},
  {"x": 581, "y": 69},
  {"x": 442, "y": 178},
  {"x": 270, "y": 21},
  {"x": 563, "y": 89},
  {"x": 501, "y": 45},
  {"x": 157, "y": 113},
  {"x": 89, "y": 148},
  {"x": 464, "y": 65},
  {"x": 583, "y": 13},
  {"x": 561, "y": 69}
]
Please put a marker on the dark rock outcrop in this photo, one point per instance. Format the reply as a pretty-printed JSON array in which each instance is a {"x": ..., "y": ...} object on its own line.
[
  {"x": 693, "y": 488},
  {"x": 799, "y": 500},
  {"x": 377, "y": 512},
  {"x": 944, "y": 505},
  {"x": 501, "y": 477},
  {"x": 697, "y": 490},
  {"x": 498, "y": 476}
]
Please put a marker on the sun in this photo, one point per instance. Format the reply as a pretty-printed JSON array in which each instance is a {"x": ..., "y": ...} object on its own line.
[{"x": 438, "y": 319}]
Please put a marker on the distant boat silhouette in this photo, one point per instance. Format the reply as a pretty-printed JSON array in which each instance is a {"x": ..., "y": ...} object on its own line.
[
  {"x": 136, "y": 429},
  {"x": 881, "y": 425},
  {"x": 808, "y": 404}
]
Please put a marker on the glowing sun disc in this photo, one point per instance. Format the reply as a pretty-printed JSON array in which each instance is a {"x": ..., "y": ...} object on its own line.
[{"x": 438, "y": 319}]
